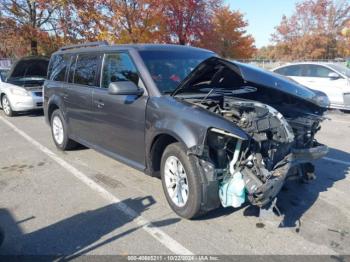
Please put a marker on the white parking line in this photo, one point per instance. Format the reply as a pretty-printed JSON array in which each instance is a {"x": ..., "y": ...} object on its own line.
[
  {"x": 158, "y": 234},
  {"x": 337, "y": 161}
]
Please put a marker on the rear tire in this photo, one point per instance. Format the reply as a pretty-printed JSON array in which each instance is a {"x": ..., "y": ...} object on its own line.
[
  {"x": 59, "y": 132},
  {"x": 178, "y": 173},
  {"x": 6, "y": 106}
]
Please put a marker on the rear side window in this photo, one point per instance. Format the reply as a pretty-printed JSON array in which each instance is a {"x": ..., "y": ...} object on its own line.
[
  {"x": 118, "y": 67},
  {"x": 294, "y": 70},
  {"x": 58, "y": 67},
  {"x": 316, "y": 71},
  {"x": 86, "y": 69}
]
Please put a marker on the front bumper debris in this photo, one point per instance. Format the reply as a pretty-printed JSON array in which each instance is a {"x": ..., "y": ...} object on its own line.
[{"x": 260, "y": 193}]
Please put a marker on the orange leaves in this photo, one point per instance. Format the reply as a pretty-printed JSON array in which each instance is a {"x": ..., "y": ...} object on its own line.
[
  {"x": 28, "y": 22},
  {"x": 45, "y": 25},
  {"x": 186, "y": 20},
  {"x": 227, "y": 35},
  {"x": 313, "y": 31}
]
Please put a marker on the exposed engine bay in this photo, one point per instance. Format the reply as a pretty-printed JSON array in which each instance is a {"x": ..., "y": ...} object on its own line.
[
  {"x": 281, "y": 130},
  {"x": 267, "y": 158}
]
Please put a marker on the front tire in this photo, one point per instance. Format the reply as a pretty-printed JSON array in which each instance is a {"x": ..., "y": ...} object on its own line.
[
  {"x": 6, "y": 106},
  {"x": 181, "y": 182},
  {"x": 59, "y": 132}
]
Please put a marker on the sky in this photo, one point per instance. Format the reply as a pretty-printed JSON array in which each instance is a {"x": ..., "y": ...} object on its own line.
[{"x": 263, "y": 16}]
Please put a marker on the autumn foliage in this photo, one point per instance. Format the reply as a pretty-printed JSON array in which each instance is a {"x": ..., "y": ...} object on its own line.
[
  {"x": 42, "y": 26},
  {"x": 226, "y": 35},
  {"x": 314, "y": 31}
]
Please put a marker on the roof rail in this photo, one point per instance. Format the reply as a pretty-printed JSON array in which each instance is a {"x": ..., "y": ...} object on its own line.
[{"x": 90, "y": 44}]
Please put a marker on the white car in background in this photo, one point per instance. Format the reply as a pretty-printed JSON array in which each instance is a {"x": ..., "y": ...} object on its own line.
[
  {"x": 331, "y": 79},
  {"x": 21, "y": 90}
]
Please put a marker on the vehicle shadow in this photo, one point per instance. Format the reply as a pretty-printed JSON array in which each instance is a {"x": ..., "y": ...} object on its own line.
[
  {"x": 33, "y": 113},
  {"x": 221, "y": 212},
  {"x": 296, "y": 198},
  {"x": 77, "y": 235}
]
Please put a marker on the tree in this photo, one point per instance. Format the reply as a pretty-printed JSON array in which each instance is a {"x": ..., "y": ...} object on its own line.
[
  {"x": 84, "y": 21},
  {"x": 266, "y": 53},
  {"x": 227, "y": 36},
  {"x": 31, "y": 19},
  {"x": 135, "y": 21},
  {"x": 187, "y": 20},
  {"x": 42, "y": 26},
  {"x": 313, "y": 31}
]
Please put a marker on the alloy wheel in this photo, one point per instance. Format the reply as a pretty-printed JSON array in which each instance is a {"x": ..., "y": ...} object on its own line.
[
  {"x": 6, "y": 105},
  {"x": 176, "y": 181},
  {"x": 57, "y": 129}
]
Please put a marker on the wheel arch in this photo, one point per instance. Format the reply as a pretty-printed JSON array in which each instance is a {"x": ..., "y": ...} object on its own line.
[
  {"x": 53, "y": 103},
  {"x": 51, "y": 108},
  {"x": 157, "y": 147},
  {"x": 2, "y": 94}
]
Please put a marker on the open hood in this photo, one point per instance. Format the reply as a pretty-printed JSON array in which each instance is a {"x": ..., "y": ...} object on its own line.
[
  {"x": 214, "y": 70},
  {"x": 279, "y": 117},
  {"x": 29, "y": 71}
]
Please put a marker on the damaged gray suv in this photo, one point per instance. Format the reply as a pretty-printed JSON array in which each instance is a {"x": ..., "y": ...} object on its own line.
[{"x": 216, "y": 132}]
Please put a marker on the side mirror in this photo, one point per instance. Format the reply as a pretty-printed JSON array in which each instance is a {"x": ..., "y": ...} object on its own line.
[
  {"x": 333, "y": 76},
  {"x": 124, "y": 88}
]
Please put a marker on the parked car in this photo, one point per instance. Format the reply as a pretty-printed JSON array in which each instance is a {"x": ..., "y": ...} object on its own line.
[
  {"x": 332, "y": 79},
  {"x": 215, "y": 131},
  {"x": 22, "y": 88}
]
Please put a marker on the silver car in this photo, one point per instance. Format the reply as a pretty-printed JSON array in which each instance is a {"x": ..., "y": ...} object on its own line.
[{"x": 22, "y": 88}]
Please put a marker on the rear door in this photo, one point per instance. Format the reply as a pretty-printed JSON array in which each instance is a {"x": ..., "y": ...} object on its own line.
[
  {"x": 119, "y": 120},
  {"x": 77, "y": 94}
]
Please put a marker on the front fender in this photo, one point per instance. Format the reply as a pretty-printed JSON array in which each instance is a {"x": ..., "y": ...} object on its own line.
[
  {"x": 185, "y": 122},
  {"x": 180, "y": 131}
]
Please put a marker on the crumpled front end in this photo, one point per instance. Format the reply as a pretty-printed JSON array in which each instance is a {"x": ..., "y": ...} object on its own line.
[
  {"x": 256, "y": 169},
  {"x": 279, "y": 117}
]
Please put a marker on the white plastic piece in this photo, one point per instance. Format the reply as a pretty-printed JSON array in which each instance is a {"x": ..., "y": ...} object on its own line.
[
  {"x": 235, "y": 157},
  {"x": 232, "y": 191},
  {"x": 238, "y": 196}
]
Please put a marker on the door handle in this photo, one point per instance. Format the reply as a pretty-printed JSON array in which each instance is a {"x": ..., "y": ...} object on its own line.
[
  {"x": 100, "y": 104},
  {"x": 65, "y": 95}
]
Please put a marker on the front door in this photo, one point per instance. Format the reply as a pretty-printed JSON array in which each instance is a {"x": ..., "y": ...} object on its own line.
[
  {"x": 120, "y": 119},
  {"x": 317, "y": 77}
]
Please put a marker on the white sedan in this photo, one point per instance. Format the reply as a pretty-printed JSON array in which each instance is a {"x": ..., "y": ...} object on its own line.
[
  {"x": 331, "y": 79},
  {"x": 22, "y": 88}
]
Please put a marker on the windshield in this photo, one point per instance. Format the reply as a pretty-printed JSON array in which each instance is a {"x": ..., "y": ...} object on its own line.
[
  {"x": 3, "y": 74},
  {"x": 30, "y": 68},
  {"x": 341, "y": 69},
  {"x": 169, "y": 68}
]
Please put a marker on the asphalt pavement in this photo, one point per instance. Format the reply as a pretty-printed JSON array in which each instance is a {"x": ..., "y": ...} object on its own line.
[{"x": 80, "y": 202}]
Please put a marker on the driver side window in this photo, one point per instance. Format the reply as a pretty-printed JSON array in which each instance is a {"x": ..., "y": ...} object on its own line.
[{"x": 118, "y": 67}]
